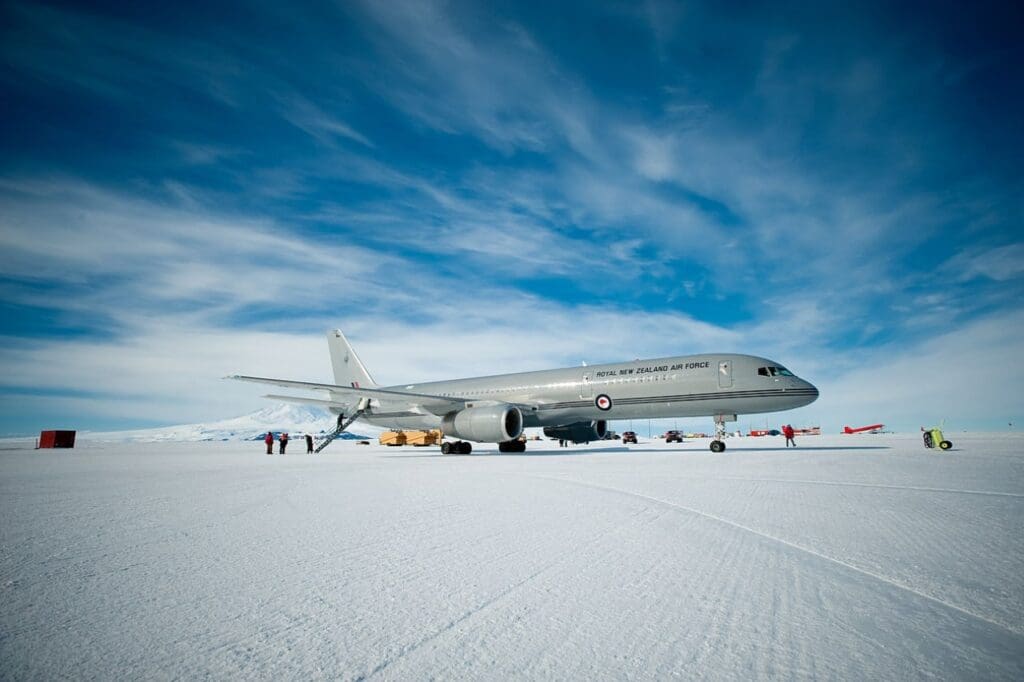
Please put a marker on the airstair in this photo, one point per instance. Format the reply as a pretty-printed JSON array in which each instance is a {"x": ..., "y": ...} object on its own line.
[{"x": 329, "y": 438}]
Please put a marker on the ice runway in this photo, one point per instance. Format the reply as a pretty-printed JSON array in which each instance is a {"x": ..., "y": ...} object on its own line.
[{"x": 853, "y": 557}]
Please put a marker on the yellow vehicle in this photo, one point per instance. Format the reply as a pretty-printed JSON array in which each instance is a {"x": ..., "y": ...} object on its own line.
[
  {"x": 423, "y": 438},
  {"x": 392, "y": 438},
  {"x": 933, "y": 438},
  {"x": 416, "y": 438}
]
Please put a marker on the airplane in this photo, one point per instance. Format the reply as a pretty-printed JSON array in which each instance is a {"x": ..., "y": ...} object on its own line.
[
  {"x": 573, "y": 403},
  {"x": 874, "y": 428}
]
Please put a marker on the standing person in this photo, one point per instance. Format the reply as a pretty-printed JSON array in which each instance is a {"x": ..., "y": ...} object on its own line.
[
  {"x": 284, "y": 441},
  {"x": 788, "y": 432},
  {"x": 269, "y": 440},
  {"x": 309, "y": 444}
]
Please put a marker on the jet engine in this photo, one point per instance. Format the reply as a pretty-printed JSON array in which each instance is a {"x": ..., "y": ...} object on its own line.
[
  {"x": 579, "y": 432},
  {"x": 490, "y": 424}
]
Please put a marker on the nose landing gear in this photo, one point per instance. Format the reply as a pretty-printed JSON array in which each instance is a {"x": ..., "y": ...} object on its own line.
[{"x": 718, "y": 445}]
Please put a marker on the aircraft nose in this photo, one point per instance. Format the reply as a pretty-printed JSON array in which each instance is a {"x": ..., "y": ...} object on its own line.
[{"x": 811, "y": 390}]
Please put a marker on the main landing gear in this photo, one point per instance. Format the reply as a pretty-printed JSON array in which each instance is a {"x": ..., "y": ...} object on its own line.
[
  {"x": 512, "y": 446},
  {"x": 459, "y": 447},
  {"x": 718, "y": 445}
]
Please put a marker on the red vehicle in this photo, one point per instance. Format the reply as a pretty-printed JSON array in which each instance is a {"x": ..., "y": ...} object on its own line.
[
  {"x": 673, "y": 437},
  {"x": 628, "y": 437}
]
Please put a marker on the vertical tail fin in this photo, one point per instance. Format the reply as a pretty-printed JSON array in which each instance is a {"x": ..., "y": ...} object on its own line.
[{"x": 348, "y": 369}]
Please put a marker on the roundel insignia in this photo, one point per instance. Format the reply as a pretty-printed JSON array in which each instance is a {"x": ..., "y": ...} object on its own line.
[{"x": 603, "y": 402}]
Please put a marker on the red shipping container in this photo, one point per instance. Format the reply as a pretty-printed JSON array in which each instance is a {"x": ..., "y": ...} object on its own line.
[{"x": 57, "y": 439}]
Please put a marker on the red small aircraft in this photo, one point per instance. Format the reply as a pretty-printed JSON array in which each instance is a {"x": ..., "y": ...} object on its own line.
[{"x": 874, "y": 428}]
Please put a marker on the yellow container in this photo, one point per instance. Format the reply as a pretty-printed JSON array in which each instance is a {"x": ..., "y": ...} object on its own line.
[
  {"x": 392, "y": 438},
  {"x": 423, "y": 438}
]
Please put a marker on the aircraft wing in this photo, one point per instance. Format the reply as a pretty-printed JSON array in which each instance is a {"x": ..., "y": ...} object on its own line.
[{"x": 434, "y": 404}]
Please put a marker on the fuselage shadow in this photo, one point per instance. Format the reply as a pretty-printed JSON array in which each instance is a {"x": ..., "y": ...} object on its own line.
[
  {"x": 529, "y": 453},
  {"x": 557, "y": 452}
]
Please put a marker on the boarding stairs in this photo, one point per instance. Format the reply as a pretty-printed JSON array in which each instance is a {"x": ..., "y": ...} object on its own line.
[{"x": 329, "y": 438}]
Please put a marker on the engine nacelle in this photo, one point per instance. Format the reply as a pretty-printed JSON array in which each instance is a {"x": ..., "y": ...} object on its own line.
[
  {"x": 490, "y": 424},
  {"x": 579, "y": 432}
]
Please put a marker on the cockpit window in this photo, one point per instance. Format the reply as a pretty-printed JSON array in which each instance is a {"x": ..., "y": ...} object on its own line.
[{"x": 774, "y": 372}]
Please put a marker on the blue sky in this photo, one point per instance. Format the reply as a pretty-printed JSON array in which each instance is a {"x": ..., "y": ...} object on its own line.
[{"x": 480, "y": 187}]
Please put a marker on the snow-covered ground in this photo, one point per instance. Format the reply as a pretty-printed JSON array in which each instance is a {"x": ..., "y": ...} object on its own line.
[{"x": 852, "y": 557}]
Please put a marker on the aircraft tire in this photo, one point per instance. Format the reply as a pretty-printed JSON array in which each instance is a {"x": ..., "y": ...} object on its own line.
[
  {"x": 446, "y": 448},
  {"x": 465, "y": 447},
  {"x": 946, "y": 445},
  {"x": 717, "y": 446}
]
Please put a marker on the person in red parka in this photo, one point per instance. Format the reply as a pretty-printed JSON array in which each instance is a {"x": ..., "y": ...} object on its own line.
[
  {"x": 269, "y": 440},
  {"x": 788, "y": 432}
]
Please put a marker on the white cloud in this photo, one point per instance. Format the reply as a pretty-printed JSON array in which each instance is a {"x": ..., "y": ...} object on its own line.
[
  {"x": 1001, "y": 264},
  {"x": 654, "y": 156},
  {"x": 501, "y": 87},
  {"x": 322, "y": 126},
  {"x": 127, "y": 256},
  {"x": 968, "y": 376}
]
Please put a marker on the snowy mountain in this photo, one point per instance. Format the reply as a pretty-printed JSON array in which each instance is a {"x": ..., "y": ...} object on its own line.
[{"x": 297, "y": 420}]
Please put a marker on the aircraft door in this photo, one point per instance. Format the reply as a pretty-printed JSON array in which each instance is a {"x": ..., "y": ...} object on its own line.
[
  {"x": 725, "y": 374},
  {"x": 586, "y": 387}
]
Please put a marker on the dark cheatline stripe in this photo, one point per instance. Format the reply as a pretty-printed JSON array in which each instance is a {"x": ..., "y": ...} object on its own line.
[
  {"x": 692, "y": 397},
  {"x": 717, "y": 396}
]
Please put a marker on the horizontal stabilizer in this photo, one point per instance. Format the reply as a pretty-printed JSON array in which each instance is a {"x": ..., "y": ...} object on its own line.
[
  {"x": 380, "y": 393},
  {"x": 435, "y": 404},
  {"x": 310, "y": 401}
]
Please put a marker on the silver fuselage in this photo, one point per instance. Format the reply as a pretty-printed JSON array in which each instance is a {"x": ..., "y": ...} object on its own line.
[{"x": 683, "y": 386}]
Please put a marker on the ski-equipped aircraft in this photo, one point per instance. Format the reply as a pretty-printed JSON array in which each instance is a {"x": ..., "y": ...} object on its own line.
[
  {"x": 574, "y": 403},
  {"x": 873, "y": 428}
]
